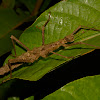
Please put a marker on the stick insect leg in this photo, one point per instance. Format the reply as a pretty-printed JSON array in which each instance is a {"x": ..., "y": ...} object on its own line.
[
  {"x": 14, "y": 38},
  {"x": 14, "y": 47},
  {"x": 83, "y": 27},
  {"x": 4, "y": 81},
  {"x": 9, "y": 64},
  {"x": 43, "y": 28},
  {"x": 61, "y": 55},
  {"x": 86, "y": 28},
  {"x": 66, "y": 45},
  {"x": 97, "y": 47}
]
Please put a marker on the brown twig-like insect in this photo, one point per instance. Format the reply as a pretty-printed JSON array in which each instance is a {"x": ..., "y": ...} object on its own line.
[{"x": 32, "y": 55}]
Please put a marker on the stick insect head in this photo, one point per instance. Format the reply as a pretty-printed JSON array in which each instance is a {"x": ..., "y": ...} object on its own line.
[{"x": 69, "y": 38}]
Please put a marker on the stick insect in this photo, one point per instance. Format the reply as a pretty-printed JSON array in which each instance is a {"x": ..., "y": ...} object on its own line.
[{"x": 32, "y": 55}]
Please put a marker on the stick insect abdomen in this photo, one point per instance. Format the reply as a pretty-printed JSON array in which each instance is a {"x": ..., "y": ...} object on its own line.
[{"x": 27, "y": 57}]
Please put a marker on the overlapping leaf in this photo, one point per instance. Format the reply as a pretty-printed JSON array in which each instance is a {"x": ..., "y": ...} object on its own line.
[{"x": 87, "y": 88}]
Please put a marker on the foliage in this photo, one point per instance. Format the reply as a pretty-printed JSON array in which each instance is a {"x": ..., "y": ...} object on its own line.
[{"x": 66, "y": 16}]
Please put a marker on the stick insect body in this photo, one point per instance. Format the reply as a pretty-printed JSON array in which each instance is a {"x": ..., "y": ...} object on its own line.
[{"x": 32, "y": 55}]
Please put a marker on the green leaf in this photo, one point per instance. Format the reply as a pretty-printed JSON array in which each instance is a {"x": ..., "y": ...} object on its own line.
[
  {"x": 87, "y": 88},
  {"x": 4, "y": 89},
  {"x": 30, "y": 4},
  {"x": 13, "y": 98},
  {"x": 7, "y": 4},
  {"x": 92, "y": 3},
  {"x": 6, "y": 41},
  {"x": 45, "y": 5},
  {"x": 34, "y": 5},
  {"x": 30, "y": 98},
  {"x": 66, "y": 16},
  {"x": 17, "y": 98},
  {"x": 14, "y": 90},
  {"x": 9, "y": 20}
]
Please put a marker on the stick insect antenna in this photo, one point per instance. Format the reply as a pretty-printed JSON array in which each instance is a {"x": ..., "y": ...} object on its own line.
[
  {"x": 84, "y": 27},
  {"x": 43, "y": 28}
]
